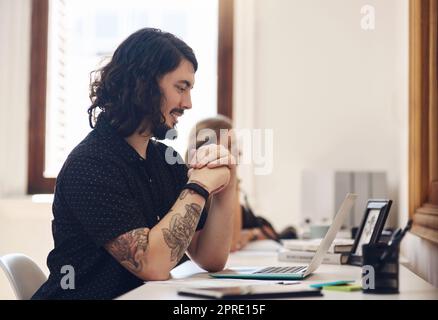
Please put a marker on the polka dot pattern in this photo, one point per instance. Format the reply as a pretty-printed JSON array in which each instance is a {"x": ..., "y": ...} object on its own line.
[{"x": 104, "y": 190}]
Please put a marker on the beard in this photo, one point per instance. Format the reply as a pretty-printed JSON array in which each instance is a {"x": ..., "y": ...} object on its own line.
[{"x": 162, "y": 131}]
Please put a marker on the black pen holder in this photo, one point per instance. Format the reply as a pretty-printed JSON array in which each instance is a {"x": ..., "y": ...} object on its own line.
[{"x": 379, "y": 276}]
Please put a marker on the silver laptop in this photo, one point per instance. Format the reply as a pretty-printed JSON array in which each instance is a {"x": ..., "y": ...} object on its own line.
[{"x": 296, "y": 272}]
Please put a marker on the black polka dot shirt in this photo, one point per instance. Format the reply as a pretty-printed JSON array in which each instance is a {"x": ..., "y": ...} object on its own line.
[{"x": 104, "y": 190}]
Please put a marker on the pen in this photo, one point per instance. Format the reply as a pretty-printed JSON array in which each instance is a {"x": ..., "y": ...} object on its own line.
[
  {"x": 394, "y": 243},
  {"x": 398, "y": 238},
  {"x": 394, "y": 236},
  {"x": 332, "y": 283},
  {"x": 287, "y": 283}
]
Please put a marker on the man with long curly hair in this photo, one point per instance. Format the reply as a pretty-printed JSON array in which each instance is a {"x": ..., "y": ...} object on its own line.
[{"x": 123, "y": 213}]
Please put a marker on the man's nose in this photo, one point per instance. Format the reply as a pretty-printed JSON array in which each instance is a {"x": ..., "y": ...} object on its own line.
[{"x": 186, "y": 102}]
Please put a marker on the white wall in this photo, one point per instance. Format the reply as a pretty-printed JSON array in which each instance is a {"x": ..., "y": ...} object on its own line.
[
  {"x": 14, "y": 94},
  {"x": 335, "y": 95},
  {"x": 25, "y": 227}
]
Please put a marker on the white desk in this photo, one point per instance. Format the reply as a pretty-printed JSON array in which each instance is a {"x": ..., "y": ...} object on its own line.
[{"x": 188, "y": 274}]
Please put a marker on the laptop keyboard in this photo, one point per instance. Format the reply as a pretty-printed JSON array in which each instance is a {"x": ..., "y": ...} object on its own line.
[{"x": 282, "y": 269}]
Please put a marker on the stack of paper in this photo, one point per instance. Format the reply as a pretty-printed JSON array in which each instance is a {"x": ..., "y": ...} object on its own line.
[
  {"x": 338, "y": 245},
  {"x": 303, "y": 251}
]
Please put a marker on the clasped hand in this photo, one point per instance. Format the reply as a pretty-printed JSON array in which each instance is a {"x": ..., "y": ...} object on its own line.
[{"x": 212, "y": 160}]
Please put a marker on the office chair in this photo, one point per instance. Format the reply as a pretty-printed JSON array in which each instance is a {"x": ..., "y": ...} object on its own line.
[{"x": 23, "y": 273}]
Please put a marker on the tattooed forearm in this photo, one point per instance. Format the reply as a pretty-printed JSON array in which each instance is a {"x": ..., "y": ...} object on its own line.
[
  {"x": 199, "y": 182},
  {"x": 129, "y": 248},
  {"x": 181, "y": 230},
  {"x": 185, "y": 192}
]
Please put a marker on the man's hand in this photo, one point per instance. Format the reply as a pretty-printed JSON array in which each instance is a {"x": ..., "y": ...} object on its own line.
[
  {"x": 214, "y": 165},
  {"x": 211, "y": 156}
]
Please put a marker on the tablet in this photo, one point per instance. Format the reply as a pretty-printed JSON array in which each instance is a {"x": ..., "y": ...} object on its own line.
[{"x": 250, "y": 292}]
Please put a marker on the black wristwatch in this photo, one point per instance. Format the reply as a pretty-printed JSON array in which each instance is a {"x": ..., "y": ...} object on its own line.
[{"x": 198, "y": 189}]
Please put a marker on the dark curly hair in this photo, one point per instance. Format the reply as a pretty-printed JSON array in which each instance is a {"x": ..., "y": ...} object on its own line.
[{"x": 126, "y": 90}]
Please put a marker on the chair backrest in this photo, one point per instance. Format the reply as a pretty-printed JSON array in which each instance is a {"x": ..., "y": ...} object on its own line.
[{"x": 23, "y": 273}]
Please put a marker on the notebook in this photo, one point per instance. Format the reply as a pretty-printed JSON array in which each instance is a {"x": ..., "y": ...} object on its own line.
[{"x": 250, "y": 292}]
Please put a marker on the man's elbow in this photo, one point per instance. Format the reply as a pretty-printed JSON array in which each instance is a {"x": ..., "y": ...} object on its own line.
[
  {"x": 154, "y": 274},
  {"x": 214, "y": 266}
]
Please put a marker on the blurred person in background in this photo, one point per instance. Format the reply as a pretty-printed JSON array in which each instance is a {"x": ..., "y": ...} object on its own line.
[{"x": 247, "y": 226}]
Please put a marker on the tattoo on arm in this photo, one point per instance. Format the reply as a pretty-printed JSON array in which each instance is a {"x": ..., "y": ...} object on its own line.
[
  {"x": 181, "y": 230},
  {"x": 185, "y": 192},
  {"x": 129, "y": 249}
]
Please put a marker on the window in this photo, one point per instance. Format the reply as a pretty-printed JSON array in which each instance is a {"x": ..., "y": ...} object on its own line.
[{"x": 69, "y": 42}]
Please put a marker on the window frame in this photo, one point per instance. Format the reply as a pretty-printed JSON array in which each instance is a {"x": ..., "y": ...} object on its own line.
[
  {"x": 37, "y": 183},
  {"x": 423, "y": 119}
]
